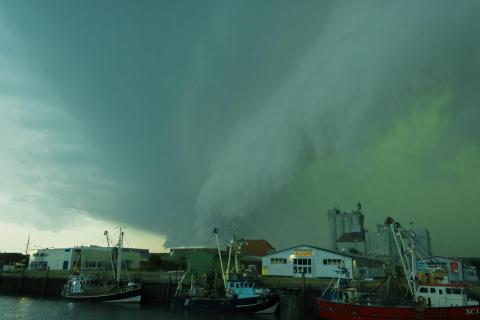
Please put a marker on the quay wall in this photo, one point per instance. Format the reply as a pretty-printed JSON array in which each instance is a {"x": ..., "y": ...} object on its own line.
[
  {"x": 297, "y": 295},
  {"x": 297, "y": 300},
  {"x": 155, "y": 289}
]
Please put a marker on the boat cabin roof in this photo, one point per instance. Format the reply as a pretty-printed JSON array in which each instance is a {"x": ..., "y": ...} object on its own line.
[{"x": 450, "y": 285}]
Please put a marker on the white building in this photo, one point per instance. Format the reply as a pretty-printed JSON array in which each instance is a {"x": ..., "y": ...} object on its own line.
[
  {"x": 317, "y": 262},
  {"x": 93, "y": 258},
  {"x": 52, "y": 259}
]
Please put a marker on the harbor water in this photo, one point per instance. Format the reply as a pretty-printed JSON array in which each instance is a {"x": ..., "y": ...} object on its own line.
[{"x": 23, "y": 308}]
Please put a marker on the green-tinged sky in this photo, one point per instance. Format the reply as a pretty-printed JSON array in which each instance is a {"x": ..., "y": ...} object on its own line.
[{"x": 173, "y": 117}]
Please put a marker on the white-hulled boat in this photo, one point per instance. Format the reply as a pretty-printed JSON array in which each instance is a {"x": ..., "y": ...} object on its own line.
[{"x": 92, "y": 288}]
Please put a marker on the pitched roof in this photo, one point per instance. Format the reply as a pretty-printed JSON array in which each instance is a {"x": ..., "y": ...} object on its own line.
[
  {"x": 257, "y": 248},
  {"x": 351, "y": 255}
]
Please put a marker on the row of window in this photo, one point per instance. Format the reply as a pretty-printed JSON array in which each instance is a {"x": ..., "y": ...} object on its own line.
[
  {"x": 103, "y": 264},
  {"x": 40, "y": 254},
  {"x": 305, "y": 261},
  {"x": 302, "y": 262},
  {"x": 241, "y": 285},
  {"x": 38, "y": 265},
  {"x": 302, "y": 269},
  {"x": 440, "y": 291},
  {"x": 278, "y": 260},
  {"x": 335, "y": 262}
]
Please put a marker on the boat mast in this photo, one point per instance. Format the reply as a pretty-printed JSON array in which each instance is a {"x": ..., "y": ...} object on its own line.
[
  {"x": 215, "y": 231},
  {"x": 111, "y": 253},
  {"x": 229, "y": 245},
  {"x": 236, "y": 246},
  {"x": 414, "y": 264},
  {"x": 119, "y": 255},
  {"x": 409, "y": 267}
]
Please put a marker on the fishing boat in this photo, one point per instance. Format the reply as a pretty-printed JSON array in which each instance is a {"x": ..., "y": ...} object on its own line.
[
  {"x": 429, "y": 301},
  {"x": 82, "y": 287},
  {"x": 239, "y": 292}
]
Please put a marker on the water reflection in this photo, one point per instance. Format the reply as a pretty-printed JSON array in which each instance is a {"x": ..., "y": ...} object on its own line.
[{"x": 23, "y": 308}]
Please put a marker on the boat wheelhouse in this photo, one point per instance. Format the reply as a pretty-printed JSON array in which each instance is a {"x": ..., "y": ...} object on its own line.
[{"x": 443, "y": 295}]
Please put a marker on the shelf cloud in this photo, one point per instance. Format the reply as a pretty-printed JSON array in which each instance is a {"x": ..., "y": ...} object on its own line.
[{"x": 176, "y": 118}]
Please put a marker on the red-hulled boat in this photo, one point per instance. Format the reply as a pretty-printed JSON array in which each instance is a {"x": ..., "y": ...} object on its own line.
[
  {"x": 336, "y": 310},
  {"x": 428, "y": 301}
]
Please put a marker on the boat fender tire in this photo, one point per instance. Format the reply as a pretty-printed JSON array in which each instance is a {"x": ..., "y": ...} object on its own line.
[{"x": 421, "y": 300}]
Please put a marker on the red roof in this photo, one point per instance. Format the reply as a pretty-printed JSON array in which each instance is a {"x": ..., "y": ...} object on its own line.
[{"x": 257, "y": 248}]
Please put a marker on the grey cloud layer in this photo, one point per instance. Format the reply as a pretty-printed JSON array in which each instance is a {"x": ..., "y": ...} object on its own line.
[{"x": 195, "y": 114}]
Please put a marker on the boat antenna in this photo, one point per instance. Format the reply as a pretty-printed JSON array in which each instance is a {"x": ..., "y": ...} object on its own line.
[
  {"x": 119, "y": 255},
  {"x": 215, "y": 231},
  {"x": 236, "y": 244},
  {"x": 105, "y": 233},
  {"x": 28, "y": 245}
]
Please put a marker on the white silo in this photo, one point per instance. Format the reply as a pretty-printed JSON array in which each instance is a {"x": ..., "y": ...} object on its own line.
[{"x": 332, "y": 228}]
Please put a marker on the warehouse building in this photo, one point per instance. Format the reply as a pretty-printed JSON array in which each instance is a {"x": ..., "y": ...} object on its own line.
[
  {"x": 92, "y": 258},
  {"x": 315, "y": 262}
]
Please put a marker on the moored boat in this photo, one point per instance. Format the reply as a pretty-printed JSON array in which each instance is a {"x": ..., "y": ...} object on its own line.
[
  {"x": 239, "y": 292},
  {"x": 82, "y": 287},
  {"x": 242, "y": 296},
  {"x": 429, "y": 301}
]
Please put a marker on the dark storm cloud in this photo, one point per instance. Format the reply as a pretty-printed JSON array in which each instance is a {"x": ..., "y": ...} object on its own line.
[{"x": 191, "y": 115}]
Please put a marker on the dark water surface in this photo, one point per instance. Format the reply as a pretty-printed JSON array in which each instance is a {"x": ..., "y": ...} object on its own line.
[{"x": 20, "y": 308}]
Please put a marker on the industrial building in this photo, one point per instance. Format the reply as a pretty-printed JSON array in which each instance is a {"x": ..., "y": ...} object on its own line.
[
  {"x": 381, "y": 245},
  {"x": 315, "y": 262},
  {"x": 92, "y": 258},
  {"x": 348, "y": 234},
  {"x": 11, "y": 261}
]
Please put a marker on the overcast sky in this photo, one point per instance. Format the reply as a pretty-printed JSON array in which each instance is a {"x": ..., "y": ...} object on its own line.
[{"x": 174, "y": 117}]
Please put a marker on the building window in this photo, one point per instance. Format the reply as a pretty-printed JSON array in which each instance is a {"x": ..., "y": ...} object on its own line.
[
  {"x": 299, "y": 265},
  {"x": 332, "y": 262},
  {"x": 278, "y": 260}
]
